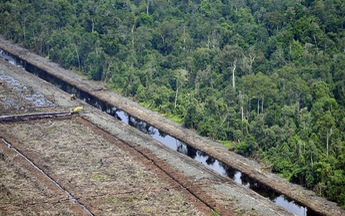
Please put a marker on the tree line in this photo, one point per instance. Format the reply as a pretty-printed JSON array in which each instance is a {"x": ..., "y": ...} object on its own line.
[{"x": 265, "y": 77}]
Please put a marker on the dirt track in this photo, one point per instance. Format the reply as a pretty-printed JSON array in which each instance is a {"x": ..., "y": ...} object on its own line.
[{"x": 217, "y": 192}]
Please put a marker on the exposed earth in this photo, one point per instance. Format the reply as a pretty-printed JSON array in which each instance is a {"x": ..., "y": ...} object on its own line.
[
  {"x": 97, "y": 169},
  {"x": 131, "y": 174},
  {"x": 108, "y": 166}
]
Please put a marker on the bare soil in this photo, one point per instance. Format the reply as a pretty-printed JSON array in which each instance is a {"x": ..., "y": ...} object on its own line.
[
  {"x": 25, "y": 191},
  {"x": 105, "y": 164},
  {"x": 78, "y": 162},
  {"x": 108, "y": 180},
  {"x": 83, "y": 159}
]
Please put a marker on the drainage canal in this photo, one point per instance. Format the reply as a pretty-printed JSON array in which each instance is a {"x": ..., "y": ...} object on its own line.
[{"x": 171, "y": 142}]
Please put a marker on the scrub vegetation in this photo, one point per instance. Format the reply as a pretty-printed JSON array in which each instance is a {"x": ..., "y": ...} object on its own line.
[{"x": 267, "y": 77}]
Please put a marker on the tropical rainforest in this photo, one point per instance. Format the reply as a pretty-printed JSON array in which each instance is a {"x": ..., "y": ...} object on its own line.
[{"x": 264, "y": 77}]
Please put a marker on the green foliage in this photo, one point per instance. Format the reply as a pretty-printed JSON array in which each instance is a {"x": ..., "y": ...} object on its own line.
[
  {"x": 247, "y": 147},
  {"x": 269, "y": 78},
  {"x": 215, "y": 213}
]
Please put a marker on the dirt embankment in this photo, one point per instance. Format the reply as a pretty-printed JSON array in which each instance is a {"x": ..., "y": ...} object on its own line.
[
  {"x": 308, "y": 198},
  {"x": 108, "y": 166}
]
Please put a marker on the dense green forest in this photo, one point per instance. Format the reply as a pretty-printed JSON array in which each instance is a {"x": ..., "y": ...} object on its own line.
[{"x": 265, "y": 77}]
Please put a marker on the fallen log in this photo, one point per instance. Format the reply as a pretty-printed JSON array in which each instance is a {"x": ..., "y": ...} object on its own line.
[{"x": 33, "y": 116}]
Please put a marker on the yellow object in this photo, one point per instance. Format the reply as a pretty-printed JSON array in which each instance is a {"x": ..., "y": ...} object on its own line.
[
  {"x": 76, "y": 109},
  {"x": 72, "y": 96}
]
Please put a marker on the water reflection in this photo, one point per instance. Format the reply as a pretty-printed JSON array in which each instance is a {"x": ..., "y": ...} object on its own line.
[
  {"x": 219, "y": 167},
  {"x": 142, "y": 126}
]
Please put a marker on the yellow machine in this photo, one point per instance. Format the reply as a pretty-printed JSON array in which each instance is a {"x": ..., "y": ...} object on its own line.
[{"x": 76, "y": 109}]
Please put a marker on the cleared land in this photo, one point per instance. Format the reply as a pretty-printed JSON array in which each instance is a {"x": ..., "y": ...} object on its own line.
[
  {"x": 252, "y": 169},
  {"x": 97, "y": 169},
  {"x": 103, "y": 163},
  {"x": 25, "y": 191}
]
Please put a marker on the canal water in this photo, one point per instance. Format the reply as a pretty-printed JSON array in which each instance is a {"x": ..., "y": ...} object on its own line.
[{"x": 167, "y": 140}]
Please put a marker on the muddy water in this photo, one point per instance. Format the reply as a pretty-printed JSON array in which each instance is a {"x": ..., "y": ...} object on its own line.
[{"x": 169, "y": 141}]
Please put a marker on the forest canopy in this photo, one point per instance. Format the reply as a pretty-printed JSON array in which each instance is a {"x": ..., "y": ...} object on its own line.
[{"x": 266, "y": 77}]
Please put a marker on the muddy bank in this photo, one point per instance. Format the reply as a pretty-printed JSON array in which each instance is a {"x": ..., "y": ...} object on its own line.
[{"x": 216, "y": 150}]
